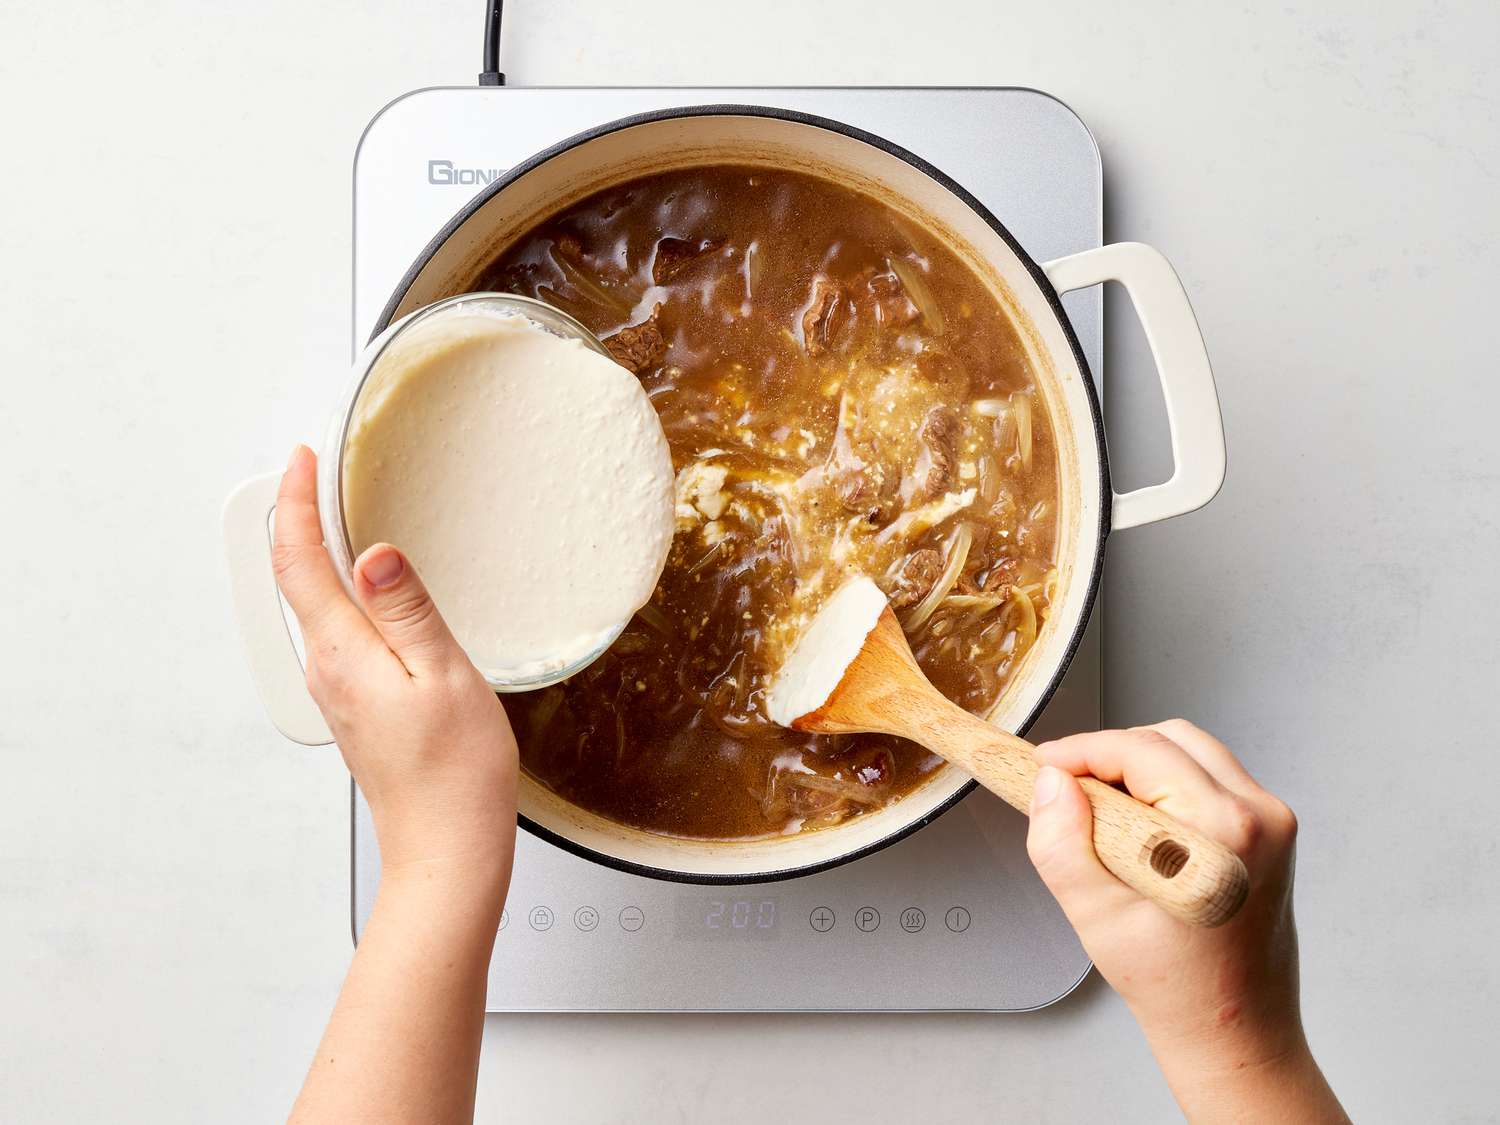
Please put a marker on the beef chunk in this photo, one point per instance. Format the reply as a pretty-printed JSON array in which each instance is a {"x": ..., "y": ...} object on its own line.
[
  {"x": 865, "y": 486},
  {"x": 918, "y": 574},
  {"x": 879, "y": 299},
  {"x": 817, "y": 321},
  {"x": 640, "y": 347},
  {"x": 1000, "y": 577},
  {"x": 857, "y": 489},
  {"x": 673, "y": 255},
  {"x": 521, "y": 277},
  {"x": 940, "y": 432}
]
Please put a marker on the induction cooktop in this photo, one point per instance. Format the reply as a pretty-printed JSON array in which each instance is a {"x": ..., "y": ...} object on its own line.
[{"x": 951, "y": 918}]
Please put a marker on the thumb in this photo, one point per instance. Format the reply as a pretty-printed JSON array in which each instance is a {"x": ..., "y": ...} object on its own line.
[
  {"x": 1060, "y": 842},
  {"x": 400, "y": 608}
]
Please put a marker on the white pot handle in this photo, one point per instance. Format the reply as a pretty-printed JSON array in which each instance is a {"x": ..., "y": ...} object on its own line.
[
  {"x": 274, "y": 666},
  {"x": 1187, "y": 381}
]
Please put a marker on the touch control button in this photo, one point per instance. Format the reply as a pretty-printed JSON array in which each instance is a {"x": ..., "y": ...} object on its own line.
[
  {"x": 586, "y": 918},
  {"x": 504, "y": 918},
  {"x": 822, "y": 919},
  {"x": 540, "y": 919},
  {"x": 632, "y": 918},
  {"x": 867, "y": 919},
  {"x": 913, "y": 920},
  {"x": 957, "y": 919}
]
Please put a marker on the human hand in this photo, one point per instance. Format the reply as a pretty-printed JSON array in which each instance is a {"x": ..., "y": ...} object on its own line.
[
  {"x": 433, "y": 753},
  {"x": 422, "y": 733},
  {"x": 1219, "y": 1006}
]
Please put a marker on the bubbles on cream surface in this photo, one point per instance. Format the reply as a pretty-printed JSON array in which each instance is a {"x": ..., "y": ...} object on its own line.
[
  {"x": 527, "y": 478},
  {"x": 825, "y": 650}
]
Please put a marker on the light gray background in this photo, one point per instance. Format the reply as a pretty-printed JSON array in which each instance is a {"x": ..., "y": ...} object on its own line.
[{"x": 173, "y": 876}]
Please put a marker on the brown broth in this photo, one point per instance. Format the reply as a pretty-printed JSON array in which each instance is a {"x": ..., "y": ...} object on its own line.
[{"x": 841, "y": 396}]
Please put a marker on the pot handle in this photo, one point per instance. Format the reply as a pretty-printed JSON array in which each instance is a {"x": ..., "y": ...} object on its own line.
[
  {"x": 278, "y": 675},
  {"x": 1187, "y": 380}
]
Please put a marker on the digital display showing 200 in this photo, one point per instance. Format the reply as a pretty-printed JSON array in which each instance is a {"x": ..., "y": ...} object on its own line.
[{"x": 727, "y": 919}]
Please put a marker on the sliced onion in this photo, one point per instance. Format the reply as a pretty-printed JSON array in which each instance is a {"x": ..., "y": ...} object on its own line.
[
  {"x": 549, "y": 703},
  {"x": 1004, "y": 425},
  {"x": 754, "y": 268},
  {"x": 656, "y": 619},
  {"x": 587, "y": 287},
  {"x": 958, "y": 554},
  {"x": 1022, "y": 405},
  {"x": 1026, "y": 628},
  {"x": 989, "y": 478},
  {"x": 856, "y": 791},
  {"x": 1049, "y": 585},
  {"x": 909, "y": 525},
  {"x": 985, "y": 602},
  {"x": 707, "y": 558},
  {"x": 619, "y": 729},
  {"x": 573, "y": 307},
  {"x": 916, "y": 288}
]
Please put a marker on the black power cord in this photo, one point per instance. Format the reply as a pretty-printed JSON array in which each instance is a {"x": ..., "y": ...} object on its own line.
[{"x": 490, "y": 75}]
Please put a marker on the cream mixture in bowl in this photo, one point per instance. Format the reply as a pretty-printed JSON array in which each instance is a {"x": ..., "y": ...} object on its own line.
[{"x": 521, "y": 469}]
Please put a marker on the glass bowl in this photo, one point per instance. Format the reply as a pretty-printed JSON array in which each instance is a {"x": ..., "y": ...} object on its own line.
[{"x": 331, "y": 462}]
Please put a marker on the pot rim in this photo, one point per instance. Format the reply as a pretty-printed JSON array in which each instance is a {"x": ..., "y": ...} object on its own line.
[{"x": 1049, "y": 294}]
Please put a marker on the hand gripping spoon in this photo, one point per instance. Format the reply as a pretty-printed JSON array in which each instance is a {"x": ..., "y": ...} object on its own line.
[{"x": 853, "y": 671}]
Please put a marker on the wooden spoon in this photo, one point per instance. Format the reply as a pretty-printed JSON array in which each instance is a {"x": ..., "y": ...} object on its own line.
[{"x": 852, "y": 671}]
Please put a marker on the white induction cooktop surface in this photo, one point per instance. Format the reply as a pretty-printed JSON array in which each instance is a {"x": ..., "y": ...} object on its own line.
[{"x": 950, "y": 918}]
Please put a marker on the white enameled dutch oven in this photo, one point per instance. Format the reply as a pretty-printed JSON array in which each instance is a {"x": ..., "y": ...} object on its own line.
[{"x": 1089, "y": 508}]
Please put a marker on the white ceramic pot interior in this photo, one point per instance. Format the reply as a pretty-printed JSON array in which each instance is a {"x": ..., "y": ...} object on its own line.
[{"x": 725, "y": 138}]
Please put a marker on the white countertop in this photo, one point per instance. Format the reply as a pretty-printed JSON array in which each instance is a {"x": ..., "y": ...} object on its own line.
[{"x": 174, "y": 877}]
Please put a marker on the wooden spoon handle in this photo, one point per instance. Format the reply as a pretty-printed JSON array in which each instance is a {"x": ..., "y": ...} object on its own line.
[{"x": 1190, "y": 876}]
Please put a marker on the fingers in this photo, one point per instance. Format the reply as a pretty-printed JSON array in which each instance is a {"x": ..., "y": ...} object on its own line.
[
  {"x": 1152, "y": 767},
  {"x": 1060, "y": 842},
  {"x": 1158, "y": 771},
  {"x": 395, "y": 603},
  {"x": 402, "y": 611},
  {"x": 1209, "y": 753},
  {"x": 303, "y": 569},
  {"x": 1275, "y": 821}
]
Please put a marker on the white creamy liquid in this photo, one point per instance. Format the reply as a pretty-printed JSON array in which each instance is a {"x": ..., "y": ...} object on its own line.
[
  {"x": 824, "y": 652},
  {"x": 526, "y": 477}
]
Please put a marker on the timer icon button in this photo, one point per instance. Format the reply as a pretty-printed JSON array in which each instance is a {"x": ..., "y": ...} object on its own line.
[
  {"x": 913, "y": 920},
  {"x": 867, "y": 919},
  {"x": 957, "y": 919},
  {"x": 540, "y": 919},
  {"x": 586, "y": 918},
  {"x": 632, "y": 918},
  {"x": 822, "y": 919}
]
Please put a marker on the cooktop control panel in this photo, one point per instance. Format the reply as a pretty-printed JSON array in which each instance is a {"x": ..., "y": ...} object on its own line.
[
  {"x": 953, "y": 917},
  {"x": 739, "y": 917},
  {"x": 958, "y": 898}
]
